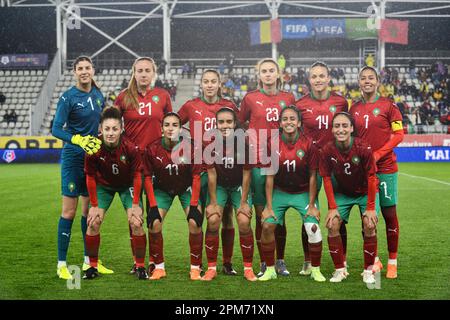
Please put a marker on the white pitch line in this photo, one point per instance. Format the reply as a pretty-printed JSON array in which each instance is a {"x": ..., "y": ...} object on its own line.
[{"x": 424, "y": 178}]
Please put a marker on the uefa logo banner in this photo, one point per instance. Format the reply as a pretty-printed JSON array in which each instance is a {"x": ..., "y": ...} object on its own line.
[{"x": 9, "y": 156}]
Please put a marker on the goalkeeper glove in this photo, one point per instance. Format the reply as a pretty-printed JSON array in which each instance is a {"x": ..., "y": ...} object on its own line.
[{"x": 88, "y": 143}]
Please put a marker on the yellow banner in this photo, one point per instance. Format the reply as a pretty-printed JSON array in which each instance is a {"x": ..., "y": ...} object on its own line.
[
  {"x": 31, "y": 142},
  {"x": 265, "y": 33}
]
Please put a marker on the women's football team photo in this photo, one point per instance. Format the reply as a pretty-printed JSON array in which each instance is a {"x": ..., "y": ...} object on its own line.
[{"x": 142, "y": 150}]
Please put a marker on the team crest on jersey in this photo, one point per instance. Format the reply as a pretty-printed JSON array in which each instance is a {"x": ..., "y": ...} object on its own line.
[
  {"x": 123, "y": 158},
  {"x": 300, "y": 153},
  {"x": 99, "y": 103},
  {"x": 376, "y": 112},
  {"x": 155, "y": 99},
  {"x": 333, "y": 109},
  {"x": 282, "y": 104},
  {"x": 71, "y": 186},
  {"x": 356, "y": 159}
]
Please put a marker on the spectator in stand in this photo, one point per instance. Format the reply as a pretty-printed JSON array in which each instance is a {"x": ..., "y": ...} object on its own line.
[
  {"x": 192, "y": 68},
  {"x": 12, "y": 117},
  {"x": 412, "y": 69},
  {"x": 230, "y": 62},
  {"x": 252, "y": 84},
  {"x": 162, "y": 66},
  {"x": 185, "y": 70},
  {"x": 370, "y": 60},
  {"x": 282, "y": 63},
  {"x": 341, "y": 74},
  {"x": 221, "y": 68},
  {"x": 124, "y": 84},
  {"x": 173, "y": 90},
  {"x": 2, "y": 98}
]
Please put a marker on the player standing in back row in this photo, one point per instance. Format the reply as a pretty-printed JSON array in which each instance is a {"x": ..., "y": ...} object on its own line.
[
  {"x": 261, "y": 109},
  {"x": 143, "y": 106},
  {"x": 317, "y": 109},
  {"x": 378, "y": 121}
]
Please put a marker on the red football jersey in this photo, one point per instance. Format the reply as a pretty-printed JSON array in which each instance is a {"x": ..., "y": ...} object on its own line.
[
  {"x": 373, "y": 124},
  {"x": 198, "y": 110},
  {"x": 172, "y": 177},
  {"x": 114, "y": 168},
  {"x": 295, "y": 161},
  {"x": 263, "y": 112},
  {"x": 229, "y": 165},
  {"x": 350, "y": 168},
  {"x": 318, "y": 114},
  {"x": 143, "y": 125}
]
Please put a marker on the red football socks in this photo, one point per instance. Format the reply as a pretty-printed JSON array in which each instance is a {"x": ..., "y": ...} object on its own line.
[
  {"x": 156, "y": 247},
  {"x": 336, "y": 251},
  {"x": 140, "y": 244},
  {"x": 212, "y": 247},
  {"x": 92, "y": 245},
  {"x": 196, "y": 246}
]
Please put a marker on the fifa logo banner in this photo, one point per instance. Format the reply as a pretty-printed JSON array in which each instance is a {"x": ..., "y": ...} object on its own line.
[{"x": 297, "y": 28}]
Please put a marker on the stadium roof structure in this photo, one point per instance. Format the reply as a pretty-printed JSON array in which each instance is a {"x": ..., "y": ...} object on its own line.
[{"x": 71, "y": 13}]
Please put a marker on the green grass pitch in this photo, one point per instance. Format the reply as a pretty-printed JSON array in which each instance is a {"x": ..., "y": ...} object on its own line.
[{"x": 31, "y": 204}]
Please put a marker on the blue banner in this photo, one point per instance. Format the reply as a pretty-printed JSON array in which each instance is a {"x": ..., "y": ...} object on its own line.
[
  {"x": 423, "y": 154},
  {"x": 30, "y": 155},
  {"x": 329, "y": 28},
  {"x": 296, "y": 28},
  {"x": 23, "y": 60}
]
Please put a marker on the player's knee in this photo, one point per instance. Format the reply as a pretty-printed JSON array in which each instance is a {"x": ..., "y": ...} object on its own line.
[
  {"x": 157, "y": 226},
  {"x": 243, "y": 221},
  {"x": 268, "y": 228},
  {"x": 193, "y": 228},
  {"x": 369, "y": 231},
  {"x": 213, "y": 223},
  {"x": 313, "y": 231},
  {"x": 69, "y": 213}
]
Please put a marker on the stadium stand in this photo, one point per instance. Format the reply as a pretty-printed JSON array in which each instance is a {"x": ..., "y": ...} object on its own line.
[{"x": 21, "y": 89}]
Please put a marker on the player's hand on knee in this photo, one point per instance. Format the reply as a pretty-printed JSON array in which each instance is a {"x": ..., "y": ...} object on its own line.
[
  {"x": 94, "y": 216},
  {"x": 245, "y": 209},
  {"x": 332, "y": 214},
  {"x": 266, "y": 214},
  {"x": 313, "y": 212},
  {"x": 372, "y": 219},
  {"x": 211, "y": 210},
  {"x": 135, "y": 218}
]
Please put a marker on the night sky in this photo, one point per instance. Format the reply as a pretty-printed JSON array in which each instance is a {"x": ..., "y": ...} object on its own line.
[{"x": 25, "y": 30}]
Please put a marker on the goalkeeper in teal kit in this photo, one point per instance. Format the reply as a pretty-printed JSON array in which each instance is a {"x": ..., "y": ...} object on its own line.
[{"x": 76, "y": 123}]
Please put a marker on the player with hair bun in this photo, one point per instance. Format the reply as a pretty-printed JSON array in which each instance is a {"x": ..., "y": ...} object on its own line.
[
  {"x": 115, "y": 168},
  {"x": 317, "y": 109},
  {"x": 294, "y": 185},
  {"x": 171, "y": 161},
  {"x": 261, "y": 109},
  {"x": 349, "y": 176},
  {"x": 200, "y": 113},
  {"x": 79, "y": 111},
  {"x": 379, "y": 122}
]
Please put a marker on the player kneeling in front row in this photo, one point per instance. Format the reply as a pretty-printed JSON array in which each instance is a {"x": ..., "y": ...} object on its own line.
[
  {"x": 114, "y": 168},
  {"x": 293, "y": 186},
  {"x": 229, "y": 178},
  {"x": 175, "y": 174},
  {"x": 351, "y": 163}
]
